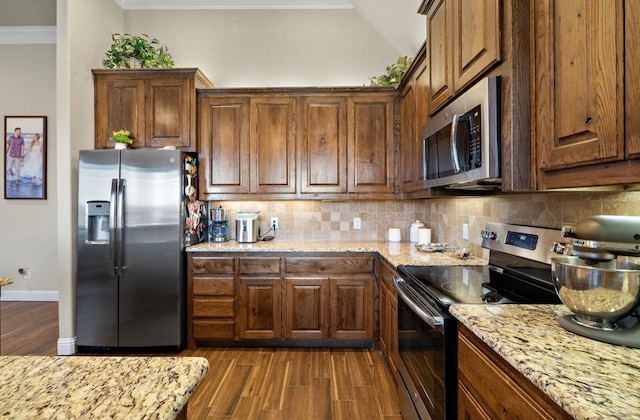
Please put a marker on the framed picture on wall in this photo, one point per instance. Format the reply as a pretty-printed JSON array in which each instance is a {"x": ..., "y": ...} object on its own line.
[{"x": 25, "y": 157}]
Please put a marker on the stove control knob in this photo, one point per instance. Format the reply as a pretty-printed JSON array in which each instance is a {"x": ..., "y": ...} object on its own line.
[
  {"x": 568, "y": 232},
  {"x": 487, "y": 234}
]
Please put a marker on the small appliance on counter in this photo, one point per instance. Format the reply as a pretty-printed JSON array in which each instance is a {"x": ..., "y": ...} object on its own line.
[
  {"x": 219, "y": 226},
  {"x": 247, "y": 226},
  {"x": 597, "y": 284}
]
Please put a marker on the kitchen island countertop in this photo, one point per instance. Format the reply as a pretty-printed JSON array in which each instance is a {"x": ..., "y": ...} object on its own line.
[
  {"x": 82, "y": 387},
  {"x": 397, "y": 253},
  {"x": 587, "y": 378}
]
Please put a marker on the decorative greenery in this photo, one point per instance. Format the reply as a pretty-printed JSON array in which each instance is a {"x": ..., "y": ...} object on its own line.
[
  {"x": 130, "y": 51},
  {"x": 122, "y": 136},
  {"x": 394, "y": 74}
]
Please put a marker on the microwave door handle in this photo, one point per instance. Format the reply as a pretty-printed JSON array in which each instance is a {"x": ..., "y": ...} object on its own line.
[{"x": 454, "y": 142}]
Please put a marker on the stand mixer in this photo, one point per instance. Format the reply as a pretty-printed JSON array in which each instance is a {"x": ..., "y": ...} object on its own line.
[{"x": 598, "y": 282}]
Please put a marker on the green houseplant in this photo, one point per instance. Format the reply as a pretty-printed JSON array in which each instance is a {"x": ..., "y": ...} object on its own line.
[
  {"x": 132, "y": 51},
  {"x": 121, "y": 138},
  {"x": 394, "y": 73}
]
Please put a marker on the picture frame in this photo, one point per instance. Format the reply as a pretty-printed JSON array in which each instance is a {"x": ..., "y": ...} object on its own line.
[{"x": 25, "y": 157}]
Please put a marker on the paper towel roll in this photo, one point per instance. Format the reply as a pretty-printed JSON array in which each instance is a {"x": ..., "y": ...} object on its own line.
[
  {"x": 394, "y": 235},
  {"x": 424, "y": 236}
]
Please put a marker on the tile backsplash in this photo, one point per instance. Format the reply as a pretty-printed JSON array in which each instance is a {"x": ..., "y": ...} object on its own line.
[{"x": 333, "y": 220}]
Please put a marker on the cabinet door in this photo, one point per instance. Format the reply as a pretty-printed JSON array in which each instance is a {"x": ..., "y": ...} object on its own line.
[
  {"x": 306, "y": 308},
  {"x": 272, "y": 143},
  {"x": 632, "y": 77},
  {"x": 420, "y": 119},
  {"x": 407, "y": 136},
  {"x": 351, "y": 308},
  {"x": 224, "y": 144},
  {"x": 371, "y": 144},
  {"x": 323, "y": 145},
  {"x": 258, "y": 308},
  {"x": 167, "y": 114},
  {"x": 119, "y": 105},
  {"x": 578, "y": 83},
  {"x": 439, "y": 51},
  {"x": 476, "y": 39}
]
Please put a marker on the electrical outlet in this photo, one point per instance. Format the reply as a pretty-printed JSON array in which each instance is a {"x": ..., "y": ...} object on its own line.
[
  {"x": 274, "y": 223},
  {"x": 465, "y": 231},
  {"x": 357, "y": 223},
  {"x": 25, "y": 272}
]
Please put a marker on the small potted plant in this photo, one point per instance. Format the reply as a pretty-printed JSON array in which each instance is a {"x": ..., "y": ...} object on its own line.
[
  {"x": 136, "y": 51},
  {"x": 122, "y": 139},
  {"x": 394, "y": 73}
]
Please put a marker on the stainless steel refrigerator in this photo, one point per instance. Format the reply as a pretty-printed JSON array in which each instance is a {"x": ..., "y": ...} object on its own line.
[{"x": 131, "y": 282}]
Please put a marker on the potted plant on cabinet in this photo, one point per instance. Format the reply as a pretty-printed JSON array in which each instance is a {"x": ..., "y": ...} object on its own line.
[
  {"x": 136, "y": 51},
  {"x": 394, "y": 73},
  {"x": 122, "y": 139}
]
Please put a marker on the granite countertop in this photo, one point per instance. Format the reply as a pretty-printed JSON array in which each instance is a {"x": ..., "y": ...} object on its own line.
[
  {"x": 82, "y": 387},
  {"x": 587, "y": 378},
  {"x": 4, "y": 281},
  {"x": 397, "y": 253}
]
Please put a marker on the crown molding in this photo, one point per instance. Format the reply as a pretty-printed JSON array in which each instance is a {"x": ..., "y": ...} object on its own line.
[
  {"x": 12, "y": 35},
  {"x": 233, "y": 4}
]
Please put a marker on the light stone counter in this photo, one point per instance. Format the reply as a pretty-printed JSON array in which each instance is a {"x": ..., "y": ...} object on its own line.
[
  {"x": 4, "y": 281},
  {"x": 85, "y": 387},
  {"x": 587, "y": 378},
  {"x": 397, "y": 253}
]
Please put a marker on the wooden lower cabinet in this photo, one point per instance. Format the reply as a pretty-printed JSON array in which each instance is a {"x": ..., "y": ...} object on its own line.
[
  {"x": 273, "y": 298},
  {"x": 351, "y": 308},
  {"x": 211, "y": 302},
  {"x": 388, "y": 316},
  {"x": 306, "y": 309},
  {"x": 258, "y": 315},
  {"x": 490, "y": 388}
]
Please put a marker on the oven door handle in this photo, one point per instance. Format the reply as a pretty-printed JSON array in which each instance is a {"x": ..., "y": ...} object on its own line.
[{"x": 428, "y": 314}]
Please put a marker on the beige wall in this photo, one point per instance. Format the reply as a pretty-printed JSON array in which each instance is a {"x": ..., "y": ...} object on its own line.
[
  {"x": 29, "y": 234},
  {"x": 255, "y": 48}
]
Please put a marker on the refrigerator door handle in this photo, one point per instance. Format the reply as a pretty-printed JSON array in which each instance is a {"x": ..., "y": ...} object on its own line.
[
  {"x": 120, "y": 227},
  {"x": 113, "y": 243}
]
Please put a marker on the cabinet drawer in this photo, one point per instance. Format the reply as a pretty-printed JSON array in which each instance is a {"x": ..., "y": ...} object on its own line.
[
  {"x": 212, "y": 265},
  {"x": 267, "y": 265},
  {"x": 214, "y": 307},
  {"x": 387, "y": 273},
  {"x": 211, "y": 329},
  {"x": 324, "y": 265},
  {"x": 213, "y": 286}
]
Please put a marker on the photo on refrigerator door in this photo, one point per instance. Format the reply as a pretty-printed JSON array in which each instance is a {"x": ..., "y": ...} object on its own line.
[{"x": 25, "y": 157}]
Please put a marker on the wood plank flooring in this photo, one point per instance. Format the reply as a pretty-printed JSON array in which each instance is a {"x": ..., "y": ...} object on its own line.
[{"x": 246, "y": 383}]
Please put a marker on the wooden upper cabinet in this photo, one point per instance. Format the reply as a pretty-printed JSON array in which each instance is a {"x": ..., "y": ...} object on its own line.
[
  {"x": 288, "y": 143},
  {"x": 224, "y": 144},
  {"x": 476, "y": 39},
  {"x": 272, "y": 144},
  {"x": 371, "y": 143},
  {"x": 463, "y": 42},
  {"x": 632, "y": 77},
  {"x": 440, "y": 53},
  {"x": 323, "y": 145},
  {"x": 413, "y": 116},
  {"x": 158, "y": 106},
  {"x": 578, "y": 83},
  {"x": 585, "y": 92}
]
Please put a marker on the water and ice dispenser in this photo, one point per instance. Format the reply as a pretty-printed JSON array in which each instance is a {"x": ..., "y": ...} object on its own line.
[{"x": 97, "y": 222}]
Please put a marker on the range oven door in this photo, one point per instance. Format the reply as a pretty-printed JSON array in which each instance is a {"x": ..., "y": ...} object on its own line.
[{"x": 428, "y": 357}]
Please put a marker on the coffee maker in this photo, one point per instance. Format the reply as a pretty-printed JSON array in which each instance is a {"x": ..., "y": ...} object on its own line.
[
  {"x": 219, "y": 225},
  {"x": 599, "y": 282}
]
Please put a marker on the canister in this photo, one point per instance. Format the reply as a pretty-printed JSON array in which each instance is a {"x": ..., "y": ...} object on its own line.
[{"x": 247, "y": 226}]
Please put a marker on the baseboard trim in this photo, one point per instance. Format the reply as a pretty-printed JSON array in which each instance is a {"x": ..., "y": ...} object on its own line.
[
  {"x": 67, "y": 346},
  {"x": 29, "y": 295}
]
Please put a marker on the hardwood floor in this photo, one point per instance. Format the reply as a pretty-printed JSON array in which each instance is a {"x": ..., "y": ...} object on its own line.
[{"x": 246, "y": 383}]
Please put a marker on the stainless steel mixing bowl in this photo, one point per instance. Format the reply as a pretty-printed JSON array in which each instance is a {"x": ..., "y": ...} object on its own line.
[{"x": 599, "y": 294}]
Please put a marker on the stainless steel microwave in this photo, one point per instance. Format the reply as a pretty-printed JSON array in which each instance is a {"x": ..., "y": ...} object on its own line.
[{"x": 461, "y": 143}]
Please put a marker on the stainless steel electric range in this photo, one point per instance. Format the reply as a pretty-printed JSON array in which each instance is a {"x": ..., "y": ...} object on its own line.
[{"x": 519, "y": 271}]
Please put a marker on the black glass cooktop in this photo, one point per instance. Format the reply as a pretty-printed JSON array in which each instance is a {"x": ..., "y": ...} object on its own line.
[{"x": 513, "y": 283}]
